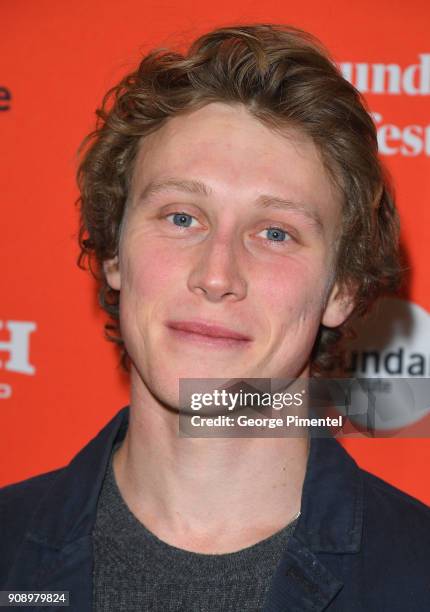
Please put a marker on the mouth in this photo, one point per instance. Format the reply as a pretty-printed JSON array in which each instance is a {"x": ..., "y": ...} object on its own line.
[{"x": 209, "y": 334}]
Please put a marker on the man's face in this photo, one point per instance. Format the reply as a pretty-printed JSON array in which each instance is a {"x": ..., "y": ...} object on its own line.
[{"x": 228, "y": 224}]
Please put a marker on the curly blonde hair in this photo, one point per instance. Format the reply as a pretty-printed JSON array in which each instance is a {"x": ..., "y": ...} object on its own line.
[{"x": 285, "y": 78}]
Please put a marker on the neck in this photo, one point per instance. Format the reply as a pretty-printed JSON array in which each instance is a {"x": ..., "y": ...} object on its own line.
[{"x": 206, "y": 493}]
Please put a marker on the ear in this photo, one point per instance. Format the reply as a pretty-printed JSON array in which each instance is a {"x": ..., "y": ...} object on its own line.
[
  {"x": 112, "y": 273},
  {"x": 340, "y": 305}
]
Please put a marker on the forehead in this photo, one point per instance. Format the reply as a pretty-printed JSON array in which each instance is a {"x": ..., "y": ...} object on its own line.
[{"x": 237, "y": 157}]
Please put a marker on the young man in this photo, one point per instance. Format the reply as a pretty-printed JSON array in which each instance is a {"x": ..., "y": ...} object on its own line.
[{"x": 234, "y": 204}]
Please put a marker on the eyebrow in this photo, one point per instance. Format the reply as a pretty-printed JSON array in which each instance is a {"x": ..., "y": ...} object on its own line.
[
  {"x": 187, "y": 186},
  {"x": 199, "y": 188}
]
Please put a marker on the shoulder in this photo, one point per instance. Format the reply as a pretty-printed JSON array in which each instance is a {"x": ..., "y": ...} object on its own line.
[
  {"x": 17, "y": 505},
  {"x": 391, "y": 503},
  {"x": 26, "y": 493},
  {"x": 396, "y": 527}
]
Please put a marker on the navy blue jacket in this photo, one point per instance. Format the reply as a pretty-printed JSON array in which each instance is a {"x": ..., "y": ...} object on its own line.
[{"x": 360, "y": 544}]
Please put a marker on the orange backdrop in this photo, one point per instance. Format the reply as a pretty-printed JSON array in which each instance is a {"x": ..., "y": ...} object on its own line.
[{"x": 59, "y": 379}]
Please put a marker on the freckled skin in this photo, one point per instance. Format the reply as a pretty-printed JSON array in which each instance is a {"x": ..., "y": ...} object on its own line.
[{"x": 223, "y": 268}]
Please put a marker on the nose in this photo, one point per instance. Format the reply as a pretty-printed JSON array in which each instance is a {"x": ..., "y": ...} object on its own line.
[{"x": 215, "y": 272}]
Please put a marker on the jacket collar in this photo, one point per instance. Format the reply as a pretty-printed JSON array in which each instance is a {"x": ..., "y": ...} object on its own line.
[
  {"x": 76, "y": 489},
  {"x": 57, "y": 550},
  {"x": 331, "y": 510},
  {"x": 331, "y": 519}
]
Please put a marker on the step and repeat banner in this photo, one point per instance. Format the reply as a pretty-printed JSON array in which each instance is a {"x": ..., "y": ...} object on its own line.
[{"x": 60, "y": 380}]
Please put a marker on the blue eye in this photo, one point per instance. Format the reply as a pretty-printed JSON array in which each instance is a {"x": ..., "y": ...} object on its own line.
[
  {"x": 276, "y": 234},
  {"x": 182, "y": 219}
]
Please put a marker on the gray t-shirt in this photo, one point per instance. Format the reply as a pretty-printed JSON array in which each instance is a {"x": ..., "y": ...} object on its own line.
[{"x": 135, "y": 570}]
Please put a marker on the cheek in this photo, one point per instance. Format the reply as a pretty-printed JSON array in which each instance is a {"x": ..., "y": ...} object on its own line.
[
  {"x": 149, "y": 277},
  {"x": 293, "y": 289},
  {"x": 150, "y": 271}
]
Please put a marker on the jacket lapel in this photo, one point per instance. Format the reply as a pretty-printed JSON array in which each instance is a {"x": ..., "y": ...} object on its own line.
[
  {"x": 57, "y": 553},
  {"x": 301, "y": 583},
  {"x": 69, "y": 568},
  {"x": 330, "y": 526}
]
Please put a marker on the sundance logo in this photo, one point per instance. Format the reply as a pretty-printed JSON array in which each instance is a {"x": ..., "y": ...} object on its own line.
[
  {"x": 393, "y": 341},
  {"x": 408, "y": 140},
  {"x": 392, "y": 345},
  {"x": 392, "y": 79},
  {"x": 17, "y": 347}
]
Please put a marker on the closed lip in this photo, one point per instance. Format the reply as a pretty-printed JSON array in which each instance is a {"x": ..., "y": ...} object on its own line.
[{"x": 204, "y": 328}]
